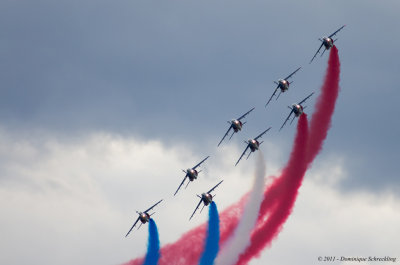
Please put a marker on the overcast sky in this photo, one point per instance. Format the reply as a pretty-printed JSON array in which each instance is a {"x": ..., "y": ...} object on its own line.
[{"x": 102, "y": 103}]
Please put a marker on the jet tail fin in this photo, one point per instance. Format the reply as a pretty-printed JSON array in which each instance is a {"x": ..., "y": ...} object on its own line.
[
  {"x": 232, "y": 135},
  {"x": 248, "y": 155},
  {"x": 202, "y": 208},
  {"x": 187, "y": 184},
  {"x": 280, "y": 92}
]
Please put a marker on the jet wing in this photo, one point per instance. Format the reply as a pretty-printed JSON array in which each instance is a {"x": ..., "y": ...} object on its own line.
[
  {"x": 215, "y": 187},
  {"x": 230, "y": 127},
  {"x": 261, "y": 134},
  {"x": 200, "y": 162},
  {"x": 242, "y": 154},
  {"x": 304, "y": 100},
  {"x": 153, "y": 206},
  {"x": 132, "y": 227},
  {"x": 197, "y": 207},
  {"x": 273, "y": 94},
  {"x": 244, "y": 115},
  {"x": 287, "y": 119},
  {"x": 322, "y": 44},
  {"x": 289, "y": 76},
  {"x": 334, "y": 33},
  {"x": 181, "y": 184}
]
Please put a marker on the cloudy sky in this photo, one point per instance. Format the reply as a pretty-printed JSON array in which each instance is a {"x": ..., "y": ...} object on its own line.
[{"x": 102, "y": 103}]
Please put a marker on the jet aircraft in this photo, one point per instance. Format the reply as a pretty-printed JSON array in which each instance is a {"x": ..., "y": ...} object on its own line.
[
  {"x": 191, "y": 173},
  {"x": 297, "y": 109},
  {"x": 283, "y": 85},
  {"x": 253, "y": 144},
  {"x": 236, "y": 125},
  {"x": 144, "y": 217},
  {"x": 327, "y": 42},
  {"x": 206, "y": 198}
]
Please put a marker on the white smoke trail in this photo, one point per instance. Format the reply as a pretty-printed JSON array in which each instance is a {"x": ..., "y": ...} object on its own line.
[{"x": 240, "y": 239}]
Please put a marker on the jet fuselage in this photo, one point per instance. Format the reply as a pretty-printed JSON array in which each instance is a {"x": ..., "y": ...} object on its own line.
[
  {"x": 192, "y": 174},
  {"x": 283, "y": 84},
  {"x": 236, "y": 125},
  {"x": 297, "y": 109},
  {"x": 328, "y": 42},
  {"x": 207, "y": 198},
  {"x": 253, "y": 144},
  {"x": 144, "y": 217}
]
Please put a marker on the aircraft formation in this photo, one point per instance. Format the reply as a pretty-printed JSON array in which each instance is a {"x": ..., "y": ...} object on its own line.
[{"x": 236, "y": 125}]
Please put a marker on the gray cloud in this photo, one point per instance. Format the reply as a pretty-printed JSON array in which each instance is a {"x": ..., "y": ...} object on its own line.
[{"x": 128, "y": 66}]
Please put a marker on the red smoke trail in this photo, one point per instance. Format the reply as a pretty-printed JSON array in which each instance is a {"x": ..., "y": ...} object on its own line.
[
  {"x": 275, "y": 206},
  {"x": 325, "y": 106},
  {"x": 285, "y": 191},
  {"x": 187, "y": 249}
]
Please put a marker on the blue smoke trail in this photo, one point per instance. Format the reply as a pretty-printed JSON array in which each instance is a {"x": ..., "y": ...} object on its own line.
[
  {"x": 153, "y": 248},
  {"x": 212, "y": 240}
]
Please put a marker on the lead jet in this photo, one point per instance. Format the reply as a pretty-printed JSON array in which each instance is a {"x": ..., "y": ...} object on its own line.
[
  {"x": 206, "y": 198},
  {"x": 144, "y": 217},
  {"x": 236, "y": 125},
  {"x": 253, "y": 144},
  {"x": 191, "y": 173},
  {"x": 327, "y": 42},
  {"x": 297, "y": 109},
  {"x": 283, "y": 85}
]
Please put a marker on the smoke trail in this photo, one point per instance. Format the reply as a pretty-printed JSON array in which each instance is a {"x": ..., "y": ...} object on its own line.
[
  {"x": 266, "y": 231},
  {"x": 287, "y": 185},
  {"x": 188, "y": 248},
  {"x": 241, "y": 237},
  {"x": 325, "y": 106},
  {"x": 153, "y": 248},
  {"x": 211, "y": 243}
]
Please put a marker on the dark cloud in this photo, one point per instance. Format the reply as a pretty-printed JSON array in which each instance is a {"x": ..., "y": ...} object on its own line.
[{"x": 177, "y": 70}]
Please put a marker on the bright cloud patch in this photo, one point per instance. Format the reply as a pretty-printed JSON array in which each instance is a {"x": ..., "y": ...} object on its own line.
[
  {"x": 327, "y": 222},
  {"x": 72, "y": 202}
]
